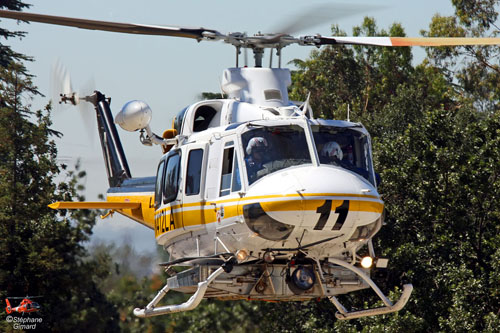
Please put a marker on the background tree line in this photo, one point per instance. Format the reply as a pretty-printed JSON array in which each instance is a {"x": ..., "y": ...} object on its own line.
[{"x": 435, "y": 128}]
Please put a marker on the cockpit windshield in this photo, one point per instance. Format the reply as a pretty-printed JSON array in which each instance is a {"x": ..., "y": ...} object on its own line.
[
  {"x": 344, "y": 147},
  {"x": 269, "y": 149}
]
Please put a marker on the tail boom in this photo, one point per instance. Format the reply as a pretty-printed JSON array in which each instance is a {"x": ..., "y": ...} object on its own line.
[{"x": 134, "y": 199}]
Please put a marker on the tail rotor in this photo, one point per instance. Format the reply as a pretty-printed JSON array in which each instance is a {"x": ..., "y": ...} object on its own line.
[{"x": 63, "y": 94}]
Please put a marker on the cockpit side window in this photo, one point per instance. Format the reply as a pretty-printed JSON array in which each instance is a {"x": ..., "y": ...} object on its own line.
[
  {"x": 344, "y": 147},
  {"x": 269, "y": 149},
  {"x": 179, "y": 120},
  {"x": 171, "y": 181},
  {"x": 159, "y": 182}
]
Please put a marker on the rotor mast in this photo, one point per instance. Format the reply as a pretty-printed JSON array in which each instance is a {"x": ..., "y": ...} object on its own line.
[{"x": 258, "y": 54}]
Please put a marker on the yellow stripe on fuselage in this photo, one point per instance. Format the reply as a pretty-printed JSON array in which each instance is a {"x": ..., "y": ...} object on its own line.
[
  {"x": 201, "y": 213},
  {"x": 277, "y": 196}
]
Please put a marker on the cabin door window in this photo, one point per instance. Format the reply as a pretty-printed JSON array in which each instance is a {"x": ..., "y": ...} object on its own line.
[{"x": 193, "y": 174}]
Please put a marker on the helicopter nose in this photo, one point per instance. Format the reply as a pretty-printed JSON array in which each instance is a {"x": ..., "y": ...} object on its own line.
[
  {"x": 336, "y": 198},
  {"x": 315, "y": 198},
  {"x": 273, "y": 207}
]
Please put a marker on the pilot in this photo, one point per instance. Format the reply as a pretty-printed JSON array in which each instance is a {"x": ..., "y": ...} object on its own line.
[
  {"x": 331, "y": 153},
  {"x": 256, "y": 149}
]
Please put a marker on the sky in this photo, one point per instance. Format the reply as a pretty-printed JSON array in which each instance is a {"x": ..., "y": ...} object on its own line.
[{"x": 168, "y": 73}]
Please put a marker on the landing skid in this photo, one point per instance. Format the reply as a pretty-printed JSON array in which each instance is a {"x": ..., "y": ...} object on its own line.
[
  {"x": 343, "y": 314},
  {"x": 240, "y": 281}
]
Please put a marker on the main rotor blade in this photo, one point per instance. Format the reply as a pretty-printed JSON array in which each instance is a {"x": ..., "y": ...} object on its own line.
[
  {"x": 128, "y": 28},
  {"x": 319, "y": 14},
  {"x": 259, "y": 41},
  {"x": 405, "y": 41}
]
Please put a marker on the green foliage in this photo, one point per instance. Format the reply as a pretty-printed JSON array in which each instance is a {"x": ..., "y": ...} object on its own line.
[
  {"x": 331, "y": 76},
  {"x": 481, "y": 13},
  {"x": 436, "y": 140},
  {"x": 474, "y": 69},
  {"x": 364, "y": 78},
  {"x": 210, "y": 95},
  {"x": 220, "y": 316},
  {"x": 440, "y": 184},
  {"x": 435, "y": 130},
  {"x": 41, "y": 250},
  {"x": 7, "y": 55}
]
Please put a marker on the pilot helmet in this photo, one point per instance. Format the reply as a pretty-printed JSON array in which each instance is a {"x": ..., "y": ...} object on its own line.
[
  {"x": 257, "y": 143},
  {"x": 332, "y": 149}
]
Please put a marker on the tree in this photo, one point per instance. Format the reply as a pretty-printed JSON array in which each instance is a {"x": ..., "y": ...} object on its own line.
[
  {"x": 436, "y": 143},
  {"x": 474, "y": 69},
  {"x": 42, "y": 250},
  {"x": 436, "y": 139},
  {"x": 210, "y": 95},
  {"x": 363, "y": 77},
  {"x": 440, "y": 183},
  {"x": 332, "y": 77},
  {"x": 6, "y": 53},
  {"x": 437, "y": 147}
]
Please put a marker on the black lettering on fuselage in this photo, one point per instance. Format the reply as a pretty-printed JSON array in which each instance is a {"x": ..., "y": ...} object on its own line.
[{"x": 325, "y": 211}]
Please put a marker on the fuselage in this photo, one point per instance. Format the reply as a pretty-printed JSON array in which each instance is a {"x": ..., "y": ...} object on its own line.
[
  {"x": 257, "y": 172},
  {"x": 207, "y": 200},
  {"x": 260, "y": 199},
  {"x": 26, "y": 306}
]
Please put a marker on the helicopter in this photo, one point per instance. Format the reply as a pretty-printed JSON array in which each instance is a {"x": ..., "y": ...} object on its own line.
[
  {"x": 26, "y": 305},
  {"x": 255, "y": 196}
]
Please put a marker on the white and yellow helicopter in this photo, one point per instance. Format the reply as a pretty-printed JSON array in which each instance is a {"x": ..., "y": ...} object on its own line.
[{"x": 257, "y": 197}]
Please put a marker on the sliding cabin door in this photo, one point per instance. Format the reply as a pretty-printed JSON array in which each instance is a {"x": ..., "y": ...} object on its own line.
[{"x": 195, "y": 213}]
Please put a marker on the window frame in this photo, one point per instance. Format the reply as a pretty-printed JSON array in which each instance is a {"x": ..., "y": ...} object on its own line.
[
  {"x": 172, "y": 197},
  {"x": 227, "y": 147},
  {"x": 200, "y": 170},
  {"x": 159, "y": 184},
  {"x": 361, "y": 145},
  {"x": 308, "y": 142},
  {"x": 236, "y": 167}
]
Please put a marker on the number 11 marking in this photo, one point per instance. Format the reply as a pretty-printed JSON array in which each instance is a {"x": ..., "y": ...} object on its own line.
[{"x": 325, "y": 211}]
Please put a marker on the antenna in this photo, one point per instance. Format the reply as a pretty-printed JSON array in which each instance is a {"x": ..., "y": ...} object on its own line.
[
  {"x": 237, "y": 56},
  {"x": 305, "y": 106},
  {"x": 278, "y": 53}
]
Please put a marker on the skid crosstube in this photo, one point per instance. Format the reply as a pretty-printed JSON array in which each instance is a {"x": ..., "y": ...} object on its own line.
[
  {"x": 151, "y": 310},
  {"x": 270, "y": 282}
]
